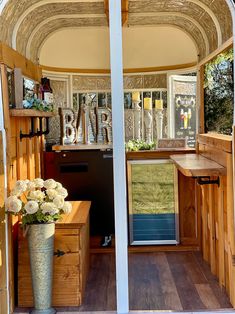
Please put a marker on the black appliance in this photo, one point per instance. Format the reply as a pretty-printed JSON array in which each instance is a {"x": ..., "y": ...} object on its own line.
[{"x": 87, "y": 175}]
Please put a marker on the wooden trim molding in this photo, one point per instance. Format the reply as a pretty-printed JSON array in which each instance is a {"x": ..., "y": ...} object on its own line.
[
  {"x": 14, "y": 59},
  {"x": 126, "y": 71}
]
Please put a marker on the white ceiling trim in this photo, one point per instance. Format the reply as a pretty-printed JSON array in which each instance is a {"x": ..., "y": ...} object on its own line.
[
  {"x": 185, "y": 16},
  {"x": 35, "y": 6},
  {"x": 64, "y": 28},
  {"x": 55, "y": 17},
  {"x": 2, "y": 5}
]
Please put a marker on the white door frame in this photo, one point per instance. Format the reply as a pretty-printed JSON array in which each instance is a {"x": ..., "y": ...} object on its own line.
[
  {"x": 2, "y": 129},
  {"x": 119, "y": 158}
]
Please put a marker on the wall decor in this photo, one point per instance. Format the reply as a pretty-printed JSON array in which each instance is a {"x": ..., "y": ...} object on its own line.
[{"x": 89, "y": 125}]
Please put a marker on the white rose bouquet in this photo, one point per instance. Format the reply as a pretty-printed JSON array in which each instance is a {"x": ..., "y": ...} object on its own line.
[{"x": 38, "y": 201}]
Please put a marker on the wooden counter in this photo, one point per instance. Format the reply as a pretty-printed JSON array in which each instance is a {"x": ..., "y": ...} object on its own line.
[
  {"x": 195, "y": 165},
  {"x": 157, "y": 153},
  {"x": 71, "y": 262}
]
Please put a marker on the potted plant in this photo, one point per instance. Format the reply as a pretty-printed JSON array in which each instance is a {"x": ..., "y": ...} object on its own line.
[{"x": 40, "y": 203}]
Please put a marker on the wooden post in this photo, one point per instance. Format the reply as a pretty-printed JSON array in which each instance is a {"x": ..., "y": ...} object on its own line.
[
  {"x": 119, "y": 165},
  {"x": 201, "y": 99}
]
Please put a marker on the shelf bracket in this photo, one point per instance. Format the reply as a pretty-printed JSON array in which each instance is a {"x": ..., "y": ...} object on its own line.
[
  {"x": 207, "y": 180},
  {"x": 31, "y": 132},
  {"x": 39, "y": 132}
]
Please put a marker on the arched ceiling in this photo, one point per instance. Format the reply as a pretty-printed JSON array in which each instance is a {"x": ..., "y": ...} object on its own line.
[{"x": 26, "y": 24}]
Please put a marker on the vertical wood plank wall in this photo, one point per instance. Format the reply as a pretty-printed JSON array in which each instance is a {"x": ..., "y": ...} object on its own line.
[
  {"x": 23, "y": 161},
  {"x": 26, "y": 154},
  {"x": 217, "y": 213}
]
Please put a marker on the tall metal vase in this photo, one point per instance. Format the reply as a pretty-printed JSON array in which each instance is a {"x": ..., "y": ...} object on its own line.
[{"x": 41, "y": 248}]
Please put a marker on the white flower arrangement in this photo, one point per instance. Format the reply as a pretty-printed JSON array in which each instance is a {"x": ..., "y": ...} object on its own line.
[{"x": 45, "y": 201}]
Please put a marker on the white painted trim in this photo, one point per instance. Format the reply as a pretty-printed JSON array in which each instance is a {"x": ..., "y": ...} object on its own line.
[
  {"x": 2, "y": 5},
  {"x": 119, "y": 159},
  {"x": 2, "y": 128},
  {"x": 35, "y": 6},
  {"x": 53, "y": 18},
  {"x": 171, "y": 108},
  {"x": 182, "y": 15}
]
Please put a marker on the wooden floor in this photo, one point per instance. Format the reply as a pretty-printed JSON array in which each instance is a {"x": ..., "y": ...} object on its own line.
[{"x": 178, "y": 281}]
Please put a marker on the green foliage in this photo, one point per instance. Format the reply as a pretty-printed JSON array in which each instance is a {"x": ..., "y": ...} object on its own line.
[
  {"x": 152, "y": 188},
  {"x": 32, "y": 102},
  {"x": 39, "y": 217},
  {"x": 136, "y": 145},
  {"x": 219, "y": 93}
]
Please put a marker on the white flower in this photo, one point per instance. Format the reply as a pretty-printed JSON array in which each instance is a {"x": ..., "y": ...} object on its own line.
[
  {"x": 39, "y": 183},
  {"x": 58, "y": 201},
  {"x": 16, "y": 192},
  {"x": 36, "y": 195},
  {"x": 31, "y": 207},
  {"x": 13, "y": 204},
  {"x": 62, "y": 192},
  {"x": 58, "y": 185},
  {"x": 49, "y": 208},
  {"x": 51, "y": 193},
  {"x": 21, "y": 185},
  {"x": 50, "y": 184},
  {"x": 31, "y": 186},
  {"x": 67, "y": 207}
]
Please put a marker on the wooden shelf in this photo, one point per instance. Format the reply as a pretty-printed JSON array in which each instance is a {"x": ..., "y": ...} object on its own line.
[
  {"x": 30, "y": 113},
  {"x": 81, "y": 147},
  {"x": 195, "y": 165}
]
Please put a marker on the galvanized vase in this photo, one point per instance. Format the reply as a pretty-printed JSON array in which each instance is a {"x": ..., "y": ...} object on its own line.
[{"x": 41, "y": 247}]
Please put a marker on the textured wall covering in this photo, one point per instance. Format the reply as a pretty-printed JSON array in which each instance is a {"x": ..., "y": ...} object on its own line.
[
  {"x": 190, "y": 9},
  {"x": 60, "y": 100},
  {"x": 50, "y": 10},
  {"x": 206, "y": 13},
  {"x": 93, "y": 83}
]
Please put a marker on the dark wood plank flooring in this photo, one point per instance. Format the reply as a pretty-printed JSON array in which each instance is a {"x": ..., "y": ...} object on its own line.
[{"x": 179, "y": 281}]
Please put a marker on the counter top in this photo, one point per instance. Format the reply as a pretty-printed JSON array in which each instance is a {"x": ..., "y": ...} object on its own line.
[
  {"x": 195, "y": 165},
  {"x": 77, "y": 217},
  {"x": 158, "y": 153},
  {"x": 82, "y": 147}
]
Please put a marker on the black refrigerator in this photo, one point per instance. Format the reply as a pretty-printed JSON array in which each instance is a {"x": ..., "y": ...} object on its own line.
[{"x": 87, "y": 175}]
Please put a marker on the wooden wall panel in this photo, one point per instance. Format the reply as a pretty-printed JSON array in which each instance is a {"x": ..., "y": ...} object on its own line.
[
  {"x": 26, "y": 157},
  {"x": 189, "y": 234},
  {"x": 217, "y": 214}
]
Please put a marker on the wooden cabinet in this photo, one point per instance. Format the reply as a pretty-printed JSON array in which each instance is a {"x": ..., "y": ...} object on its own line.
[{"x": 71, "y": 260}]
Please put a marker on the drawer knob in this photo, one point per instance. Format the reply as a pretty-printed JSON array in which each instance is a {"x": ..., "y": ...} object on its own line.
[{"x": 59, "y": 253}]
